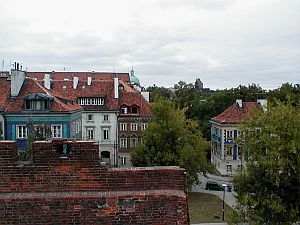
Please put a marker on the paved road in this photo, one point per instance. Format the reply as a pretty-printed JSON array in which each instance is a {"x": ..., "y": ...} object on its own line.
[{"x": 229, "y": 196}]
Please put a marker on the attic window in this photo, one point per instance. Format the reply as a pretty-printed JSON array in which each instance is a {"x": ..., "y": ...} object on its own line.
[
  {"x": 64, "y": 87},
  {"x": 124, "y": 110},
  {"x": 37, "y": 105},
  {"x": 134, "y": 110}
]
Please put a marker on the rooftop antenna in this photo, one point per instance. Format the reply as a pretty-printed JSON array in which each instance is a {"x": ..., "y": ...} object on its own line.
[
  {"x": 2, "y": 65},
  {"x": 64, "y": 68}
]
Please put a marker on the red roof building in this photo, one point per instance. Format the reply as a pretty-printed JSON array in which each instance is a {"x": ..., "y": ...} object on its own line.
[{"x": 225, "y": 152}]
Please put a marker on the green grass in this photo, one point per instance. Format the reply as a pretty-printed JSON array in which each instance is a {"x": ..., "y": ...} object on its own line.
[{"x": 205, "y": 208}]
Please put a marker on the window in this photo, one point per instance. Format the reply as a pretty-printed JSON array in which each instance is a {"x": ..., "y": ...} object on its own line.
[
  {"x": 105, "y": 134},
  {"x": 133, "y": 126},
  {"x": 100, "y": 101},
  {"x": 123, "y": 126},
  {"x": 229, "y": 134},
  {"x": 56, "y": 131},
  {"x": 123, "y": 142},
  {"x": 124, "y": 110},
  {"x": 123, "y": 160},
  {"x": 77, "y": 127},
  {"x": 37, "y": 105},
  {"x": 90, "y": 117},
  {"x": 133, "y": 142},
  {"x": 41, "y": 130},
  {"x": 21, "y": 131},
  {"x": 144, "y": 126},
  {"x": 106, "y": 118},
  {"x": 90, "y": 101},
  {"x": 229, "y": 168},
  {"x": 90, "y": 133},
  {"x": 134, "y": 110}
]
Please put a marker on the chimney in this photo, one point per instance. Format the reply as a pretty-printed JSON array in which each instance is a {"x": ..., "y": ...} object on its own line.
[
  {"x": 263, "y": 103},
  {"x": 116, "y": 87},
  {"x": 16, "y": 82},
  {"x": 89, "y": 81},
  {"x": 75, "y": 82},
  {"x": 47, "y": 82},
  {"x": 146, "y": 95},
  {"x": 239, "y": 102}
]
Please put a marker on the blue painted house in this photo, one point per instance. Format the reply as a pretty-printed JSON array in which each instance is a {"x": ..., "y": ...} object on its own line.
[{"x": 30, "y": 108}]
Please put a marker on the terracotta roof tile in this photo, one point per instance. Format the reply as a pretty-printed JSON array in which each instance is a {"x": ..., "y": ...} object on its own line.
[
  {"x": 31, "y": 86},
  {"x": 135, "y": 98},
  {"x": 236, "y": 114},
  {"x": 4, "y": 91},
  {"x": 81, "y": 75},
  {"x": 98, "y": 88}
]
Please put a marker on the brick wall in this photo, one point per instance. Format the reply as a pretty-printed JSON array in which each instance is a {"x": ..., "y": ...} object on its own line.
[{"x": 66, "y": 184}]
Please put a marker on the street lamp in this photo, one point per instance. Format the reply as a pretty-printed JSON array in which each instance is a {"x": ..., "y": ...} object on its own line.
[{"x": 224, "y": 185}]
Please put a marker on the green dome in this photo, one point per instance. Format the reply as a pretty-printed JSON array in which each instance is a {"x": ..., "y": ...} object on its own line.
[{"x": 134, "y": 79}]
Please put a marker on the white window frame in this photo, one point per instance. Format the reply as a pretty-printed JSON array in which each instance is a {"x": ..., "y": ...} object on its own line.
[
  {"x": 105, "y": 134},
  {"x": 124, "y": 110},
  {"x": 81, "y": 101},
  {"x": 100, "y": 101},
  {"x": 21, "y": 132},
  {"x": 229, "y": 168},
  {"x": 123, "y": 160},
  {"x": 123, "y": 142},
  {"x": 123, "y": 126},
  {"x": 106, "y": 118},
  {"x": 144, "y": 126},
  {"x": 134, "y": 126},
  {"x": 90, "y": 133},
  {"x": 54, "y": 131}
]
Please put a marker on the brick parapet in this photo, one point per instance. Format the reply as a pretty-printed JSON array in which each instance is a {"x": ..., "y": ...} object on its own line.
[{"x": 62, "y": 185}]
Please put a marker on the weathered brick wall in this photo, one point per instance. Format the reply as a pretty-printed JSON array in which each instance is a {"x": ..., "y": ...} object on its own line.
[{"x": 74, "y": 188}]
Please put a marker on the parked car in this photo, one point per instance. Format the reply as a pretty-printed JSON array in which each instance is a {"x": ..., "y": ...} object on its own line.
[{"x": 212, "y": 185}]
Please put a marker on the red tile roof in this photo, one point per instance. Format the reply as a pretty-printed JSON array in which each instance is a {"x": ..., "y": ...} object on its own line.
[
  {"x": 98, "y": 88},
  {"x": 135, "y": 98},
  {"x": 83, "y": 76},
  {"x": 235, "y": 114},
  {"x": 4, "y": 91},
  {"x": 30, "y": 86}
]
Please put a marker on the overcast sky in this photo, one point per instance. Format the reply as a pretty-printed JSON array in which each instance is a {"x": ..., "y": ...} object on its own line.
[{"x": 223, "y": 42}]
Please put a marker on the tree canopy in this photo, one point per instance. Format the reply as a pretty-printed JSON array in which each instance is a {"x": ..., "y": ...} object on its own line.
[
  {"x": 172, "y": 140},
  {"x": 268, "y": 192}
]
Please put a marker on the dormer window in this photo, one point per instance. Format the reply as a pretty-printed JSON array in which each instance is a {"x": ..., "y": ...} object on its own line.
[
  {"x": 131, "y": 110},
  {"x": 90, "y": 101},
  {"x": 37, "y": 105},
  {"x": 134, "y": 110},
  {"x": 124, "y": 110},
  {"x": 38, "y": 101}
]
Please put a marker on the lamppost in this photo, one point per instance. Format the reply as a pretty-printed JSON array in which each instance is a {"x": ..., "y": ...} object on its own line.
[{"x": 224, "y": 185}]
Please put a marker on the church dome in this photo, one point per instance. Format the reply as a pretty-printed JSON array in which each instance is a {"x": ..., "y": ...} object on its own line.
[{"x": 133, "y": 78}]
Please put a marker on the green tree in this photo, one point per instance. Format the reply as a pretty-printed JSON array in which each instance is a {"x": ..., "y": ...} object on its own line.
[
  {"x": 269, "y": 190},
  {"x": 172, "y": 140}
]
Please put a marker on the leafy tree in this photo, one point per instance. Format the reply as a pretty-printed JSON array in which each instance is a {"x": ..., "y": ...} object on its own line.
[
  {"x": 172, "y": 140},
  {"x": 268, "y": 192},
  {"x": 159, "y": 92},
  {"x": 286, "y": 93},
  {"x": 37, "y": 132}
]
